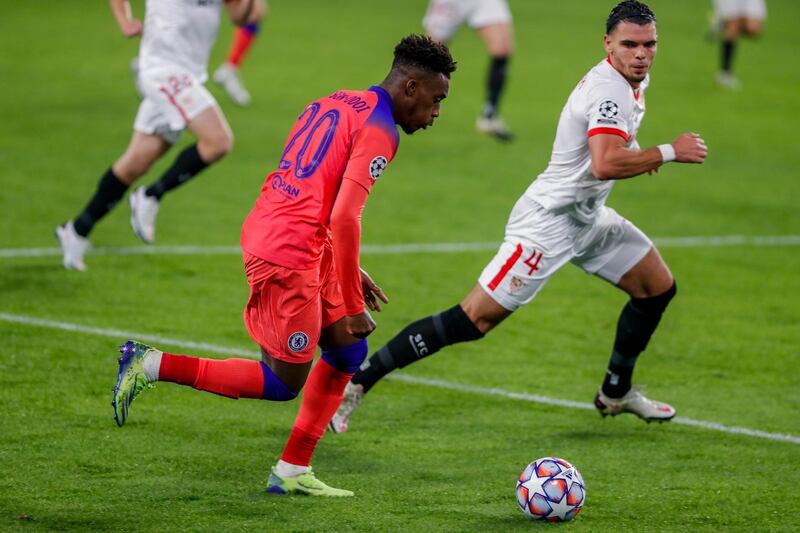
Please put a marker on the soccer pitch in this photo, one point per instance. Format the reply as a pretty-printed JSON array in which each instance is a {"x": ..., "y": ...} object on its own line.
[{"x": 439, "y": 446}]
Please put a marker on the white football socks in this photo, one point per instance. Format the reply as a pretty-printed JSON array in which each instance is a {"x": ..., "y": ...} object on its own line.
[
  {"x": 284, "y": 469},
  {"x": 151, "y": 364}
]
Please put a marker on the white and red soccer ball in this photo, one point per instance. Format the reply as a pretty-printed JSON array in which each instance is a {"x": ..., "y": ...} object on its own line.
[{"x": 551, "y": 489}]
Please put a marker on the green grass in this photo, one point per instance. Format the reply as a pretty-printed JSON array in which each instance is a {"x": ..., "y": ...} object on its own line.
[{"x": 419, "y": 458}]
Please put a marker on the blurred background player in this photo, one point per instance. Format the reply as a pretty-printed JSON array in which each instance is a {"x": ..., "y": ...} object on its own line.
[
  {"x": 173, "y": 57},
  {"x": 735, "y": 18},
  {"x": 562, "y": 218},
  {"x": 491, "y": 19},
  {"x": 227, "y": 74},
  {"x": 301, "y": 247}
]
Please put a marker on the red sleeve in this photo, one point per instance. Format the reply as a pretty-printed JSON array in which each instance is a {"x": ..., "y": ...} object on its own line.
[
  {"x": 346, "y": 235},
  {"x": 373, "y": 149}
]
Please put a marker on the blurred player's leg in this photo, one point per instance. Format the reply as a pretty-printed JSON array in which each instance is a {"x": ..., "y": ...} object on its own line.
[
  {"x": 726, "y": 78},
  {"x": 227, "y": 75},
  {"x": 740, "y": 18},
  {"x": 499, "y": 43},
  {"x": 143, "y": 150},
  {"x": 73, "y": 245},
  {"x": 214, "y": 140}
]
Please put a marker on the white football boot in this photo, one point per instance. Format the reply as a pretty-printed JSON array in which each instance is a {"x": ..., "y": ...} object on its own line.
[
  {"x": 227, "y": 76},
  {"x": 353, "y": 396},
  {"x": 73, "y": 245},
  {"x": 494, "y": 126},
  {"x": 144, "y": 210},
  {"x": 726, "y": 80},
  {"x": 634, "y": 402}
]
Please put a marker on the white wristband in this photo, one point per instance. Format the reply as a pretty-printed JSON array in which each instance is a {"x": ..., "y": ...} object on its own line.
[{"x": 667, "y": 152}]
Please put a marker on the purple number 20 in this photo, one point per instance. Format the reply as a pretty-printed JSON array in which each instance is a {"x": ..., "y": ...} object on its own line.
[{"x": 326, "y": 124}]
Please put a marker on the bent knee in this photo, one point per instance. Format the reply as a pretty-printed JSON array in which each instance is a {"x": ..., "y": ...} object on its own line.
[
  {"x": 129, "y": 170},
  {"x": 258, "y": 12},
  {"x": 753, "y": 28},
  {"x": 215, "y": 148}
]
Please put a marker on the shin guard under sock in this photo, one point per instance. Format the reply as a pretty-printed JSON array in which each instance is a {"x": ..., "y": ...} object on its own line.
[
  {"x": 495, "y": 82},
  {"x": 422, "y": 338},
  {"x": 636, "y": 324},
  {"x": 187, "y": 165},
  {"x": 323, "y": 394},
  {"x": 234, "y": 378},
  {"x": 110, "y": 191}
]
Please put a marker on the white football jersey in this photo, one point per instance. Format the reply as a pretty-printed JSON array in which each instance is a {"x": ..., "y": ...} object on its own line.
[
  {"x": 179, "y": 33},
  {"x": 603, "y": 102}
]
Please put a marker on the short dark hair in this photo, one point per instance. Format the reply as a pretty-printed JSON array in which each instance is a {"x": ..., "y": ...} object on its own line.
[
  {"x": 629, "y": 11},
  {"x": 422, "y": 52}
]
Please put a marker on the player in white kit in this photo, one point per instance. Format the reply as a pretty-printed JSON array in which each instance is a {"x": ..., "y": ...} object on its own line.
[
  {"x": 562, "y": 218},
  {"x": 177, "y": 36},
  {"x": 736, "y": 18},
  {"x": 491, "y": 19}
]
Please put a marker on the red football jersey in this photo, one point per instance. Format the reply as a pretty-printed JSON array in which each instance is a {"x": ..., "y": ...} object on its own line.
[{"x": 347, "y": 135}]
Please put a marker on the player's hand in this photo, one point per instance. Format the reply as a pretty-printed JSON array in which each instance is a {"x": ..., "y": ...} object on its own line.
[
  {"x": 131, "y": 28},
  {"x": 653, "y": 171},
  {"x": 360, "y": 326},
  {"x": 690, "y": 148},
  {"x": 372, "y": 292}
]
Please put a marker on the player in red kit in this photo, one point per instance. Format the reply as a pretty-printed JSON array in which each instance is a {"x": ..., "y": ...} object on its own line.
[{"x": 300, "y": 245}]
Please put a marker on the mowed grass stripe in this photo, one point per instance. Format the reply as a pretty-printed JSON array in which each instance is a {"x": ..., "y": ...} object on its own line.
[
  {"x": 486, "y": 391},
  {"x": 714, "y": 241}
]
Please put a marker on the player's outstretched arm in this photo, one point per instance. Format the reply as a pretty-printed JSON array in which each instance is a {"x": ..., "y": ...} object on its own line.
[
  {"x": 128, "y": 25},
  {"x": 239, "y": 11},
  {"x": 611, "y": 159}
]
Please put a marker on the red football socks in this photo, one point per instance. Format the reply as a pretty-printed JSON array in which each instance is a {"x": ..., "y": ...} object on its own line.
[
  {"x": 323, "y": 394},
  {"x": 234, "y": 378},
  {"x": 242, "y": 41}
]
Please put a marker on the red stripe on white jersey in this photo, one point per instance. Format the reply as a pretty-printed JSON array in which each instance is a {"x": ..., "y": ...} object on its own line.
[
  {"x": 611, "y": 131},
  {"x": 506, "y": 267}
]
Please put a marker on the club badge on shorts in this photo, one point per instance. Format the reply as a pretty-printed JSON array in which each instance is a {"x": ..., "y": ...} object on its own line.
[
  {"x": 376, "y": 166},
  {"x": 298, "y": 341}
]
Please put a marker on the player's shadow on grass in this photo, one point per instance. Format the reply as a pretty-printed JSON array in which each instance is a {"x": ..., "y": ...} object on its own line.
[
  {"x": 515, "y": 521},
  {"x": 23, "y": 277},
  {"x": 612, "y": 433}
]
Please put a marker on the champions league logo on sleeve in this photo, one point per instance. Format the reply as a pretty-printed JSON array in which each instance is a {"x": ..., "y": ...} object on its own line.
[
  {"x": 298, "y": 341},
  {"x": 376, "y": 166},
  {"x": 609, "y": 109}
]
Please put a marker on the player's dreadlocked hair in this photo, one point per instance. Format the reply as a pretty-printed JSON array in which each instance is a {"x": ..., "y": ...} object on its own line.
[
  {"x": 629, "y": 11},
  {"x": 422, "y": 52}
]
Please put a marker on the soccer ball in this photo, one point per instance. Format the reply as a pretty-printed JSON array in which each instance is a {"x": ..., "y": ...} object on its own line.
[{"x": 551, "y": 489}]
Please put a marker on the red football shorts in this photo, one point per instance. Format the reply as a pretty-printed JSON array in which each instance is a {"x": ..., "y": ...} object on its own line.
[{"x": 288, "y": 308}]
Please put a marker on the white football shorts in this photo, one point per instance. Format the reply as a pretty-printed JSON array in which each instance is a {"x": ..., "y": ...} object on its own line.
[
  {"x": 735, "y": 9},
  {"x": 538, "y": 242},
  {"x": 171, "y": 97},
  {"x": 443, "y": 17}
]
